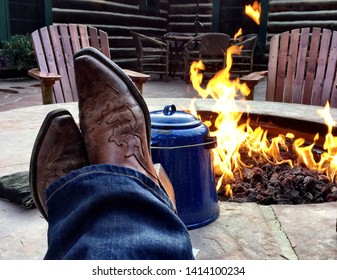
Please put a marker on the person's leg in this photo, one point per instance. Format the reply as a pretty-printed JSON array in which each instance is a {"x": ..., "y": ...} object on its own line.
[
  {"x": 118, "y": 202},
  {"x": 99, "y": 211},
  {"x": 113, "y": 212}
]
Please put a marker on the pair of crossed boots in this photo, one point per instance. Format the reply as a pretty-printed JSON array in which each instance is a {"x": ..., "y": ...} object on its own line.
[{"x": 114, "y": 128}]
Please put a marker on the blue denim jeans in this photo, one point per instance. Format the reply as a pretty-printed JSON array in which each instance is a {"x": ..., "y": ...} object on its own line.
[{"x": 112, "y": 212}]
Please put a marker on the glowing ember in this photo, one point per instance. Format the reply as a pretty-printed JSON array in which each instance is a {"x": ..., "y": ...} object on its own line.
[
  {"x": 254, "y": 11},
  {"x": 233, "y": 137}
]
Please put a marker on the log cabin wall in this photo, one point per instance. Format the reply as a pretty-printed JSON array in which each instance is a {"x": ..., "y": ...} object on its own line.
[
  {"x": 284, "y": 15},
  {"x": 182, "y": 16},
  {"x": 117, "y": 18}
]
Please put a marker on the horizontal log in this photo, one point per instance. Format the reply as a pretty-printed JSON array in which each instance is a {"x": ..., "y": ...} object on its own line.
[
  {"x": 124, "y": 64},
  {"x": 116, "y": 31},
  {"x": 131, "y": 7},
  {"x": 185, "y": 2},
  {"x": 306, "y": 15},
  {"x": 93, "y": 17},
  {"x": 182, "y": 9},
  {"x": 189, "y": 18},
  {"x": 189, "y": 28},
  {"x": 117, "y": 53},
  {"x": 278, "y": 27},
  {"x": 205, "y": 25},
  {"x": 97, "y": 6},
  {"x": 121, "y": 42},
  {"x": 113, "y": 30},
  {"x": 191, "y": 21},
  {"x": 122, "y": 47},
  {"x": 276, "y": 6}
]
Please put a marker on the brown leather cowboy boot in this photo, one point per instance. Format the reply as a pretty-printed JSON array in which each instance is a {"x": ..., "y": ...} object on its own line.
[
  {"x": 58, "y": 149},
  {"x": 114, "y": 117}
]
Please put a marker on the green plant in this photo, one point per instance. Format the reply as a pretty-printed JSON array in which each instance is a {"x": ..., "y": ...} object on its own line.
[{"x": 18, "y": 49}]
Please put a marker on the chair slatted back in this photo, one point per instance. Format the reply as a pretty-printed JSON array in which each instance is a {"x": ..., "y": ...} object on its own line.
[
  {"x": 210, "y": 48},
  {"x": 243, "y": 62},
  {"x": 54, "y": 48},
  {"x": 302, "y": 67},
  {"x": 214, "y": 45}
]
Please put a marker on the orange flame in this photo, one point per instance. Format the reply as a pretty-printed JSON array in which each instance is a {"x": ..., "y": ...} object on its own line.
[
  {"x": 254, "y": 11},
  {"x": 237, "y": 34},
  {"x": 229, "y": 192},
  {"x": 233, "y": 138},
  {"x": 328, "y": 162}
]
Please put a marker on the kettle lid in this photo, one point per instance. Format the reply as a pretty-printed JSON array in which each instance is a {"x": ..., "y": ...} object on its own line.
[{"x": 170, "y": 118}]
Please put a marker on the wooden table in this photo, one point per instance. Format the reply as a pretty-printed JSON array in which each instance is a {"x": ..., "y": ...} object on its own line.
[{"x": 177, "y": 44}]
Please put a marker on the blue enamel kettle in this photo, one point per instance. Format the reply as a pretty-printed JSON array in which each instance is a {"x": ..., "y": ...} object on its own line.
[{"x": 183, "y": 146}]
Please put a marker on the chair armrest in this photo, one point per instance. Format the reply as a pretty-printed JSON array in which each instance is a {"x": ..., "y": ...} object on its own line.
[
  {"x": 154, "y": 41},
  {"x": 160, "y": 43},
  {"x": 44, "y": 76},
  {"x": 47, "y": 82},
  {"x": 252, "y": 80},
  {"x": 136, "y": 75},
  {"x": 254, "y": 77},
  {"x": 138, "y": 78}
]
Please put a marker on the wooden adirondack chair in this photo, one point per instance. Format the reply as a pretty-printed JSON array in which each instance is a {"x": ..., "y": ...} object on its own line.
[
  {"x": 54, "y": 48},
  {"x": 302, "y": 68}
]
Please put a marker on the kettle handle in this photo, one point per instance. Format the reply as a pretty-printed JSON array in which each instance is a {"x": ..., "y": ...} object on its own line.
[{"x": 169, "y": 110}]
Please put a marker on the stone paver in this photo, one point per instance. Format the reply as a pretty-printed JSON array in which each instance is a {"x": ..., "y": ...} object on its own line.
[
  {"x": 240, "y": 232},
  {"x": 311, "y": 229}
]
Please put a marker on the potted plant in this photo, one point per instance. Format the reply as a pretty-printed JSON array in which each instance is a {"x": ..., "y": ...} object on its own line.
[{"x": 17, "y": 54}]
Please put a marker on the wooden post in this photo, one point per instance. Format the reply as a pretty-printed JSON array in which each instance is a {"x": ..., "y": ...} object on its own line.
[
  {"x": 4, "y": 21},
  {"x": 48, "y": 12},
  {"x": 216, "y": 16},
  {"x": 47, "y": 81},
  {"x": 263, "y": 23},
  {"x": 47, "y": 92}
]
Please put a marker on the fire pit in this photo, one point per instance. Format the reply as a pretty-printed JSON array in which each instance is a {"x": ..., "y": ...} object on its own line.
[
  {"x": 266, "y": 183},
  {"x": 263, "y": 158}
]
